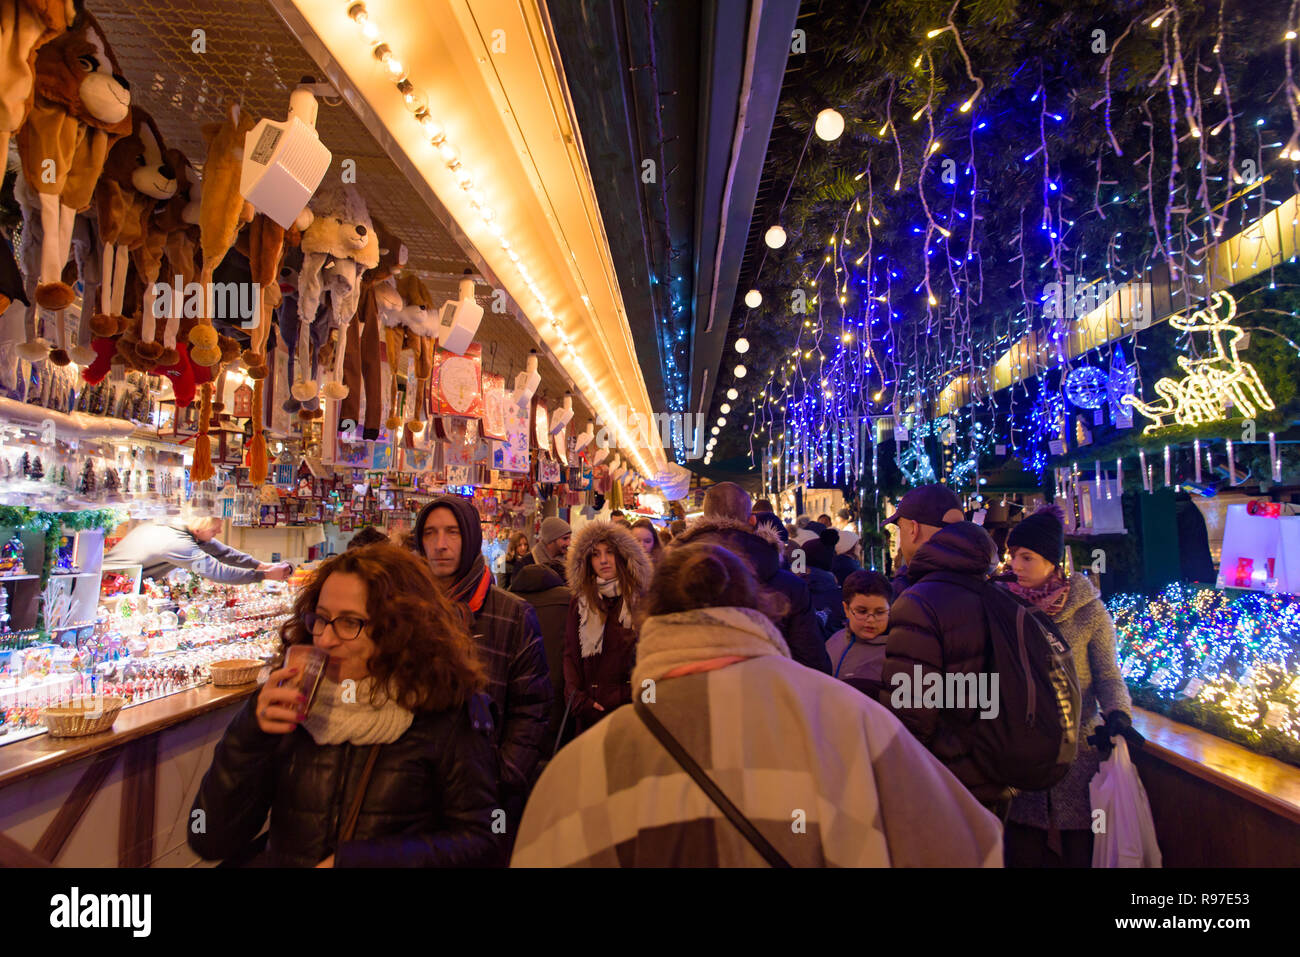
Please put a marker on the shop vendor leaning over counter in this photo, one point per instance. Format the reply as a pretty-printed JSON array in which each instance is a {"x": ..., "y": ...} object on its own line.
[{"x": 161, "y": 546}]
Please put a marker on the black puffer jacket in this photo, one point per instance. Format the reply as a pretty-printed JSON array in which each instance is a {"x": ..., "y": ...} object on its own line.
[
  {"x": 429, "y": 803},
  {"x": 760, "y": 547},
  {"x": 941, "y": 627}
]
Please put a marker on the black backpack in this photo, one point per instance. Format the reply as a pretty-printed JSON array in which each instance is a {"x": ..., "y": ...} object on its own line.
[{"x": 1034, "y": 739}]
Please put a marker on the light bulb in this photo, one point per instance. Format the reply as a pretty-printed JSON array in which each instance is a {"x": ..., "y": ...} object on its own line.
[
  {"x": 753, "y": 299},
  {"x": 463, "y": 179},
  {"x": 774, "y": 237},
  {"x": 716, "y": 430},
  {"x": 733, "y": 395},
  {"x": 742, "y": 345},
  {"x": 432, "y": 128},
  {"x": 450, "y": 155},
  {"x": 722, "y": 420},
  {"x": 724, "y": 408},
  {"x": 829, "y": 125},
  {"x": 413, "y": 99},
  {"x": 740, "y": 372}
]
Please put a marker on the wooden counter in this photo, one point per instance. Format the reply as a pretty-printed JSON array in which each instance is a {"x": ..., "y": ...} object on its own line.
[
  {"x": 117, "y": 799},
  {"x": 1215, "y": 803},
  {"x": 44, "y": 752}
]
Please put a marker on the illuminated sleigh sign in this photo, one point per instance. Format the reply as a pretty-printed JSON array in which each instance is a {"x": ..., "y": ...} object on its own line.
[{"x": 1211, "y": 383}]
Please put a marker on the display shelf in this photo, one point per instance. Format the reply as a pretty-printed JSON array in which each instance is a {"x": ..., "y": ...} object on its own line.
[{"x": 18, "y": 578}]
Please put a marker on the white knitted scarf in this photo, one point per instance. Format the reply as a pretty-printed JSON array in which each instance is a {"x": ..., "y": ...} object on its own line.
[
  {"x": 591, "y": 621},
  {"x": 342, "y": 714},
  {"x": 685, "y": 637}
]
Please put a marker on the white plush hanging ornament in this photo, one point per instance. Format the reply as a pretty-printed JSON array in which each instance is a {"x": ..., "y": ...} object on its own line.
[{"x": 526, "y": 382}]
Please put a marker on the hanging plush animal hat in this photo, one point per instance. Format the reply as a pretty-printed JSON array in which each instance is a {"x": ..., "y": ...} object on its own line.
[
  {"x": 222, "y": 210},
  {"x": 339, "y": 245},
  {"x": 25, "y": 27},
  {"x": 81, "y": 106},
  {"x": 137, "y": 177}
]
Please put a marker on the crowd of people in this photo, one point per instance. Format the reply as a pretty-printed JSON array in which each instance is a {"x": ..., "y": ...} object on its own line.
[{"x": 723, "y": 692}]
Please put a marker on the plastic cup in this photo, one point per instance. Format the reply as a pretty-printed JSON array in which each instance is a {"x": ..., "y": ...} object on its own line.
[{"x": 310, "y": 662}]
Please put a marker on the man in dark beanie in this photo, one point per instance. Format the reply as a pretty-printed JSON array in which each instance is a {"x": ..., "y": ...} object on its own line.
[
  {"x": 506, "y": 632},
  {"x": 553, "y": 545}
]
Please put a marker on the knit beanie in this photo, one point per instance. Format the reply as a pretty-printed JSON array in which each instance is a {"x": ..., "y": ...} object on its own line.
[
  {"x": 1042, "y": 531},
  {"x": 553, "y": 528}
]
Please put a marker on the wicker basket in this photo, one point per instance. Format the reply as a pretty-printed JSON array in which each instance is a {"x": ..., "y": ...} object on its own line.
[
  {"x": 236, "y": 671},
  {"x": 82, "y": 717}
]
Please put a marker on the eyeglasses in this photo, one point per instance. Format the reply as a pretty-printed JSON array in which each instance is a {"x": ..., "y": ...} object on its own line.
[
  {"x": 870, "y": 615},
  {"x": 346, "y": 627}
]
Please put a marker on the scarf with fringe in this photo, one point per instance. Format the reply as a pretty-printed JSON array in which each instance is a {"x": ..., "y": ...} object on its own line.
[
  {"x": 591, "y": 621},
  {"x": 1049, "y": 596}
]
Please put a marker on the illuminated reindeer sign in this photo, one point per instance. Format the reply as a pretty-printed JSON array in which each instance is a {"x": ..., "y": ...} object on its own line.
[{"x": 1212, "y": 382}]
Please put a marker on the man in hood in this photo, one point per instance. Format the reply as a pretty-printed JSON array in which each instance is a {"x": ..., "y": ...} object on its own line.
[
  {"x": 449, "y": 535},
  {"x": 938, "y": 626},
  {"x": 553, "y": 545},
  {"x": 729, "y": 522},
  {"x": 920, "y": 514}
]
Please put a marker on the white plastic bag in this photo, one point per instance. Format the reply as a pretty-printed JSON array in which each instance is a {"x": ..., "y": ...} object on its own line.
[{"x": 1127, "y": 837}]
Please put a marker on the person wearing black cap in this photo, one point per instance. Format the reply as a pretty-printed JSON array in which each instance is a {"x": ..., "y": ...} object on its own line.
[
  {"x": 922, "y": 512},
  {"x": 1053, "y": 828},
  {"x": 508, "y": 637},
  {"x": 938, "y": 626}
]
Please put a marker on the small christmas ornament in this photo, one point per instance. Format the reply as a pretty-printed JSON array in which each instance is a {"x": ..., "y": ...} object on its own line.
[
  {"x": 37, "y": 470},
  {"x": 26, "y": 465},
  {"x": 86, "y": 485}
]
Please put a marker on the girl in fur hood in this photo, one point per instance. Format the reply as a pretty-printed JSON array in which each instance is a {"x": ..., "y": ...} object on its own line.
[
  {"x": 1053, "y": 828},
  {"x": 609, "y": 574}
]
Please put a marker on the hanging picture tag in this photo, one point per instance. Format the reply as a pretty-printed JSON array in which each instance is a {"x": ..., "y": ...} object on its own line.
[
  {"x": 1099, "y": 417},
  {"x": 1056, "y": 447},
  {"x": 1193, "y": 688},
  {"x": 999, "y": 450},
  {"x": 1276, "y": 714}
]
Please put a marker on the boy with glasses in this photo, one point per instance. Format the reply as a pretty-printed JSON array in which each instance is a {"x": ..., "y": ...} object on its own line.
[{"x": 857, "y": 651}]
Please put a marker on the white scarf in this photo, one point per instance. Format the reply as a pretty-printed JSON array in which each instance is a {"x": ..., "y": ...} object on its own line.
[
  {"x": 591, "y": 621},
  {"x": 341, "y": 713},
  {"x": 685, "y": 637}
]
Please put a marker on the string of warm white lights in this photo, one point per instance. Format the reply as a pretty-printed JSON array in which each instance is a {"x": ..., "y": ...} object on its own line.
[{"x": 417, "y": 104}]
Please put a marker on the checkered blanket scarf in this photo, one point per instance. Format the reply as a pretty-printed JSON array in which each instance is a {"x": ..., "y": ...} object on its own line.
[{"x": 828, "y": 776}]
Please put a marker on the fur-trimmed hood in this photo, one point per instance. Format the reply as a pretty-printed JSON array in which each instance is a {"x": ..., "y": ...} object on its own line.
[
  {"x": 759, "y": 545},
  {"x": 620, "y": 539}
]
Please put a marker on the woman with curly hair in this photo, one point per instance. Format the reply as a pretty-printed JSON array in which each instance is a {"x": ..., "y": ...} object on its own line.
[
  {"x": 391, "y": 763},
  {"x": 609, "y": 574}
]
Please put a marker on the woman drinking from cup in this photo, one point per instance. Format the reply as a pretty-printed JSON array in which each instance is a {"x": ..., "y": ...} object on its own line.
[{"x": 390, "y": 763}]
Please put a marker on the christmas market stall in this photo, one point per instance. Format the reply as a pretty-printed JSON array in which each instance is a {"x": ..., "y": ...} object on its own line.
[{"x": 300, "y": 286}]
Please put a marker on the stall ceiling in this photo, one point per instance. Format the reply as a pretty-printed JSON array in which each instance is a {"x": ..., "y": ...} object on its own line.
[{"x": 251, "y": 57}]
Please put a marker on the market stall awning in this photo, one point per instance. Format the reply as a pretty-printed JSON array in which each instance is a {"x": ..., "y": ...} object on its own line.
[{"x": 495, "y": 151}]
